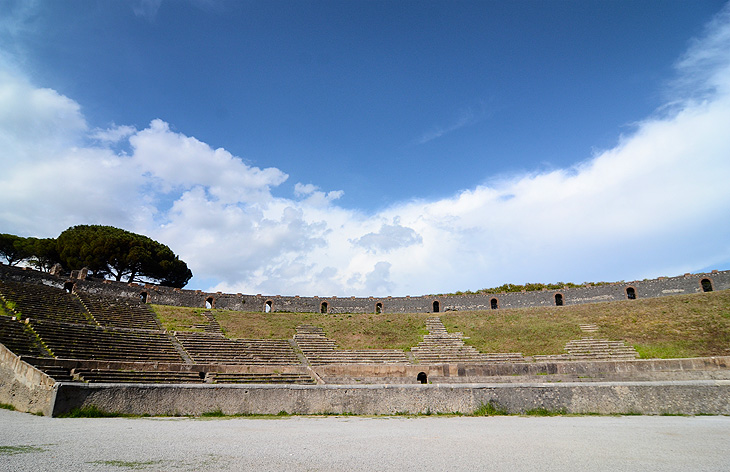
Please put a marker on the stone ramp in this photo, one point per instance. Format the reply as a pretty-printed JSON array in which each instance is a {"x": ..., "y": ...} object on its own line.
[
  {"x": 320, "y": 350},
  {"x": 440, "y": 346}
]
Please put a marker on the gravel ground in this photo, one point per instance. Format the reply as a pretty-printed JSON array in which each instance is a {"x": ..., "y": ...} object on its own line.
[{"x": 31, "y": 443}]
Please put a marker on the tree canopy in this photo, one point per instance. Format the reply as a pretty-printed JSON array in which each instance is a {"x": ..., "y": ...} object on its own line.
[
  {"x": 105, "y": 250},
  {"x": 12, "y": 248}
]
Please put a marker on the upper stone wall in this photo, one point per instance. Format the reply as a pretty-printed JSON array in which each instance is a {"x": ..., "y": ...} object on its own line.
[{"x": 663, "y": 286}]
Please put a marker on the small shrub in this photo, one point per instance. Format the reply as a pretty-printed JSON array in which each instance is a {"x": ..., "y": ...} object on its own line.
[{"x": 490, "y": 409}]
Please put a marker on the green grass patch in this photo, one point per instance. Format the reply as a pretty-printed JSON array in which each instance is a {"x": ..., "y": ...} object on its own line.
[
  {"x": 13, "y": 450},
  {"x": 489, "y": 409},
  {"x": 666, "y": 327},
  {"x": 179, "y": 318},
  {"x": 7, "y": 406},
  {"x": 541, "y": 411},
  {"x": 694, "y": 325},
  {"x": 133, "y": 465},
  {"x": 92, "y": 411},
  {"x": 663, "y": 350},
  {"x": 213, "y": 414}
]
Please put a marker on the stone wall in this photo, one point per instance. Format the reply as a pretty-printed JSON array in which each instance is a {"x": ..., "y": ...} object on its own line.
[
  {"x": 653, "y": 398},
  {"x": 23, "y": 386},
  {"x": 664, "y": 286}
]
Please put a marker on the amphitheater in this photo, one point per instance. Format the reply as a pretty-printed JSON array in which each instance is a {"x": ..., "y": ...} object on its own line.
[{"x": 70, "y": 342}]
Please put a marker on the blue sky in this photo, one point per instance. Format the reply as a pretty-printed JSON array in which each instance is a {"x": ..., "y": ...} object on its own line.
[{"x": 375, "y": 148}]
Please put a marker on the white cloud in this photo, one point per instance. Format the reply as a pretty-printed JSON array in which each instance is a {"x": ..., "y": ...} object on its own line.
[
  {"x": 654, "y": 205},
  {"x": 146, "y": 9},
  {"x": 466, "y": 118},
  {"x": 34, "y": 121},
  {"x": 388, "y": 238},
  {"x": 314, "y": 196},
  {"x": 177, "y": 162},
  {"x": 114, "y": 134}
]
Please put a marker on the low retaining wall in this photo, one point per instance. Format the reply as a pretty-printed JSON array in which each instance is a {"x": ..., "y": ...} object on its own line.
[
  {"x": 591, "y": 370},
  {"x": 681, "y": 397},
  {"x": 23, "y": 386},
  {"x": 30, "y": 390}
]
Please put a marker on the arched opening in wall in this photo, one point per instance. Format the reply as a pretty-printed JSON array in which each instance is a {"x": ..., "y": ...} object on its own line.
[
  {"x": 422, "y": 378},
  {"x": 706, "y": 285},
  {"x": 209, "y": 303},
  {"x": 494, "y": 303},
  {"x": 436, "y": 306},
  {"x": 268, "y": 306},
  {"x": 143, "y": 297},
  {"x": 378, "y": 307},
  {"x": 631, "y": 293},
  {"x": 558, "y": 299},
  {"x": 323, "y": 307},
  {"x": 68, "y": 287}
]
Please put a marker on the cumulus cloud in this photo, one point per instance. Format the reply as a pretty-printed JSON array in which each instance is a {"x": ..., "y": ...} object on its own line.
[
  {"x": 177, "y": 161},
  {"x": 653, "y": 205},
  {"x": 33, "y": 120}
]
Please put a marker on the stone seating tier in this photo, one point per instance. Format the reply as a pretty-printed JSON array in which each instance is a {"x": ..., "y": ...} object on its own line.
[
  {"x": 117, "y": 376},
  {"x": 162, "y": 376},
  {"x": 44, "y": 302},
  {"x": 593, "y": 349},
  {"x": 59, "y": 374},
  {"x": 440, "y": 346},
  {"x": 320, "y": 350},
  {"x": 217, "y": 349},
  {"x": 276, "y": 378},
  {"x": 119, "y": 312},
  {"x": 71, "y": 341},
  {"x": 19, "y": 338}
]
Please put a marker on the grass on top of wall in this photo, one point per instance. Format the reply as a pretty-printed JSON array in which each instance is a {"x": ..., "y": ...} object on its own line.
[
  {"x": 350, "y": 331},
  {"x": 180, "y": 318},
  {"x": 668, "y": 327}
]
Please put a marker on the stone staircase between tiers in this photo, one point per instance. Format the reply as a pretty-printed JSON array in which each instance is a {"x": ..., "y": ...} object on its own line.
[
  {"x": 440, "y": 346},
  {"x": 320, "y": 350},
  {"x": 212, "y": 326}
]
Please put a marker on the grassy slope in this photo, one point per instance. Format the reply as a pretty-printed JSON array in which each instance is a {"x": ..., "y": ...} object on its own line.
[{"x": 676, "y": 326}]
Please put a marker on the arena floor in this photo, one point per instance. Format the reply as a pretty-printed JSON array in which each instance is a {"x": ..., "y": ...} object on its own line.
[{"x": 658, "y": 443}]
